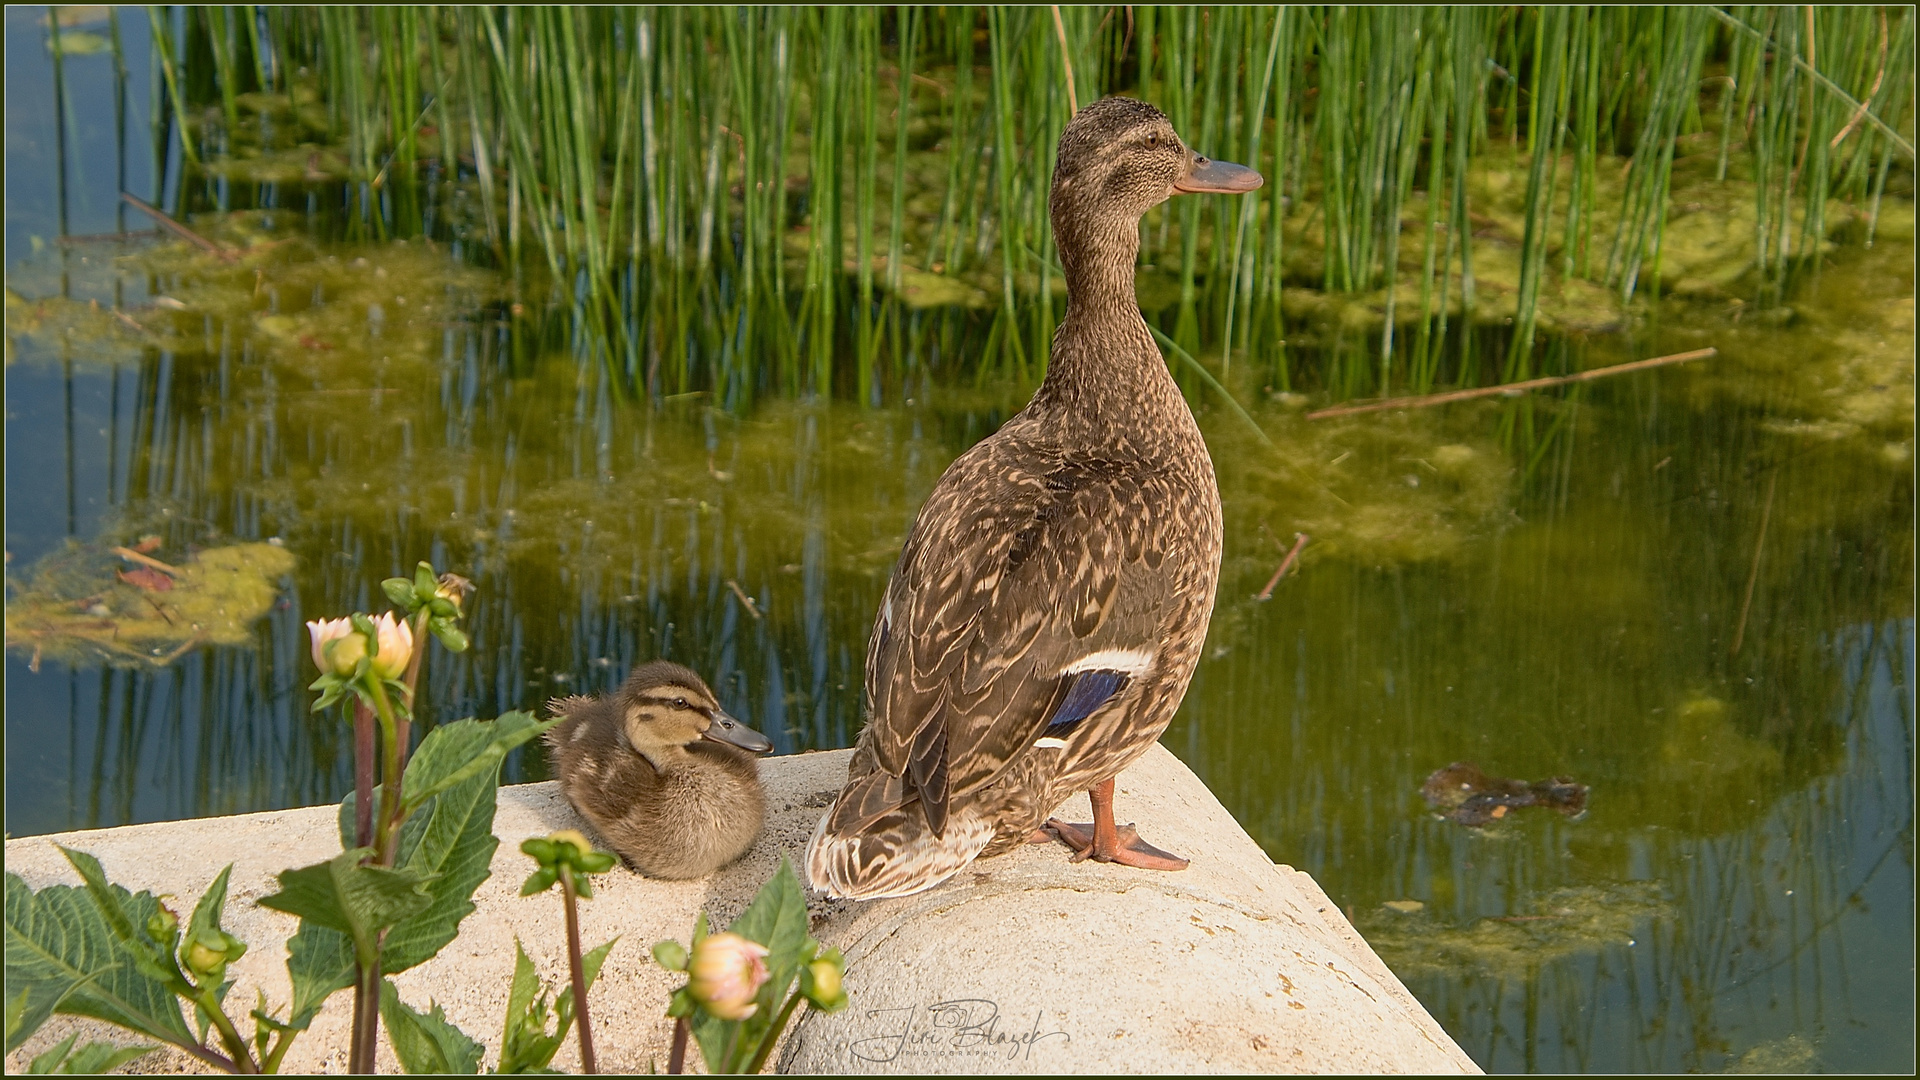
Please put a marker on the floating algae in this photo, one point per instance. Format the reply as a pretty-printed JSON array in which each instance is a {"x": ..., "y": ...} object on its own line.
[
  {"x": 1565, "y": 922},
  {"x": 85, "y": 604}
]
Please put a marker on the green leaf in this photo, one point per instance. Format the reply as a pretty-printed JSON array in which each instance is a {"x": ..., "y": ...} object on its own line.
[
  {"x": 152, "y": 959},
  {"x": 49, "y": 1061},
  {"x": 526, "y": 1045},
  {"x": 670, "y": 955},
  {"x": 590, "y": 967},
  {"x": 61, "y": 956},
  {"x": 426, "y": 1043},
  {"x": 206, "y": 916},
  {"x": 340, "y": 894},
  {"x": 454, "y": 753},
  {"x": 449, "y": 835},
  {"x": 89, "y": 1060},
  {"x": 777, "y": 918},
  {"x": 17, "y": 1020},
  {"x": 320, "y": 963}
]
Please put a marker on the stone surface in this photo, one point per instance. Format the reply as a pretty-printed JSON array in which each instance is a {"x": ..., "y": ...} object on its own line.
[{"x": 1025, "y": 963}]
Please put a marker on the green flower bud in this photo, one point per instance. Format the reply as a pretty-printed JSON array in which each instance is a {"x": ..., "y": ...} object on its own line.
[
  {"x": 212, "y": 950},
  {"x": 821, "y": 985},
  {"x": 162, "y": 925}
]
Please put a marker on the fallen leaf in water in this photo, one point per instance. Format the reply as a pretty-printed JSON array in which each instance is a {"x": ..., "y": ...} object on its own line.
[
  {"x": 150, "y": 580},
  {"x": 147, "y": 545}
]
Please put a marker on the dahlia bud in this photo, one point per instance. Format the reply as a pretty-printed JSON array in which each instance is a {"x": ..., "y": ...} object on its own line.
[
  {"x": 396, "y": 646},
  {"x": 727, "y": 972}
]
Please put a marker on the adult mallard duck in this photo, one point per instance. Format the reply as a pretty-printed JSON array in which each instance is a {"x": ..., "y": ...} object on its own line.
[
  {"x": 661, "y": 771},
  {"x": 1048, "y": 609}
]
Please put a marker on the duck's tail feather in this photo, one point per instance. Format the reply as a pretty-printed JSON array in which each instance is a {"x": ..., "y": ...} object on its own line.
[{"x": 887, "y": 852}]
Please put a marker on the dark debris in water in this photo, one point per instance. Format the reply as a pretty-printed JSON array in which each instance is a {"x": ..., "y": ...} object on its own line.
[
  {"x": 124, "y": 607},
  {"x": 1463, "y": 792}
]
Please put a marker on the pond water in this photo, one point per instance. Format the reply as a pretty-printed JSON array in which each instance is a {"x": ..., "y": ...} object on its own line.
[{"x": 1689, "y": 589}]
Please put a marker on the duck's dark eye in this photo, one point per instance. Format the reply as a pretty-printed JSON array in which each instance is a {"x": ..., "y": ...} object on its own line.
[
  {"x": 679, "y": 703},
  {"x": 1153, "y": 139}
]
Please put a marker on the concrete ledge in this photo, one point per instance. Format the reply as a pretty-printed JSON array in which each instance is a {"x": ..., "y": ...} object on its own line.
[{"x": 1025, "y": 963}]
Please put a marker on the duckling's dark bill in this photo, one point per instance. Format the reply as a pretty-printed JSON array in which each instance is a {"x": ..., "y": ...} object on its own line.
[
  {"x": 1223, "y": 177},
  {"x": 725, "y": 729}
]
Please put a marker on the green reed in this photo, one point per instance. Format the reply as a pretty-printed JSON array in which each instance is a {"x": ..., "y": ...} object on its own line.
[{"x": 743, "y": 200}]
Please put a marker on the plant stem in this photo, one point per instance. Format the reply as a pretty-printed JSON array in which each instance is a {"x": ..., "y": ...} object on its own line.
[
  {"x": 362, "y": 774},
  {"x": 386, "y": 840},
  {"x": 363, "y": 756},
  {"x": 229, "y": 1037},
  {"x": 412, "y": 676},
  {"x": 366, "y": 1014},
  {"x": 773, "y": 1034},
  {"x": 677, "y": 1057},
  {"x": 578, "y": 968},
  {"x": 281, "y": 1044}
]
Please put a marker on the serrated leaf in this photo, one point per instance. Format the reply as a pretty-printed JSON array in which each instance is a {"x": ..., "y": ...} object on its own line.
[
  {"x": 777, "y": 918},
  {"x": 320, "y": 963},
  {"x": 426, "y": 1043},
  {"x": 62, "y": 956},
  {"x": 454, "y": 753},
  {"x": 451, "y": 835},
  {"x": 150, "y": 958},
  {"x": 340, "y": 894},
  {"x": 526, "y": 1045}
]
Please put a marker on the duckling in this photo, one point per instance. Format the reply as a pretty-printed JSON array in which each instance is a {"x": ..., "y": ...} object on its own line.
[{"x": 661, "y": 771}]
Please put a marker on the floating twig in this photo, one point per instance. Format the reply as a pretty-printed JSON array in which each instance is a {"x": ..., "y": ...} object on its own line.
[
  {"x": 752, "y": 608},
  {"x": 145, "y": 560},
  {"x": 176, "y": 228},
  {"x": 1512, "y": 389},
  {"x": 1299, "y": 541}
]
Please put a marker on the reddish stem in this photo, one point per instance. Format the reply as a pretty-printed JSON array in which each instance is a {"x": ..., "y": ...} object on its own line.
[
  {"x": 677, "y": 1057},
  {"x": 578, "y": 967}
]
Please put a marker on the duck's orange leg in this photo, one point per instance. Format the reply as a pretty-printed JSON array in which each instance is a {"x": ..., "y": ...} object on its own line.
[{"x": 1102, "y": 841}]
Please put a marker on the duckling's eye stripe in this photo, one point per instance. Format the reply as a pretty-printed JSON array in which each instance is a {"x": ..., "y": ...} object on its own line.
[
  {"x": 666, "y": 695},
  {"x": 1090, "y": 690}
]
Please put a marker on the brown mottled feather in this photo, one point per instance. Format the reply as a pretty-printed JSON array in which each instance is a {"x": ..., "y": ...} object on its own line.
[
  {"x": 698, "y": 812},
  {"x": 1089, "y": 522}
]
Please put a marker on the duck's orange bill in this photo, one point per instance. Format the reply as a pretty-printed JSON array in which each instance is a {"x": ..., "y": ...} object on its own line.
[{"x": 1223, "y": 177}]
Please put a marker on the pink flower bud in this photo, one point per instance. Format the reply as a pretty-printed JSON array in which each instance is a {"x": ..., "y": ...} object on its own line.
[
  {"x": 727, "y": 972},
  {"x": 396, "y": 646},
  {"x": 336, "y": 648}
]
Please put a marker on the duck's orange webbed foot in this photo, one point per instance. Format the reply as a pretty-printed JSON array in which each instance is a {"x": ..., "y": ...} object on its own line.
[{"x": 1102, "y": 841}]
